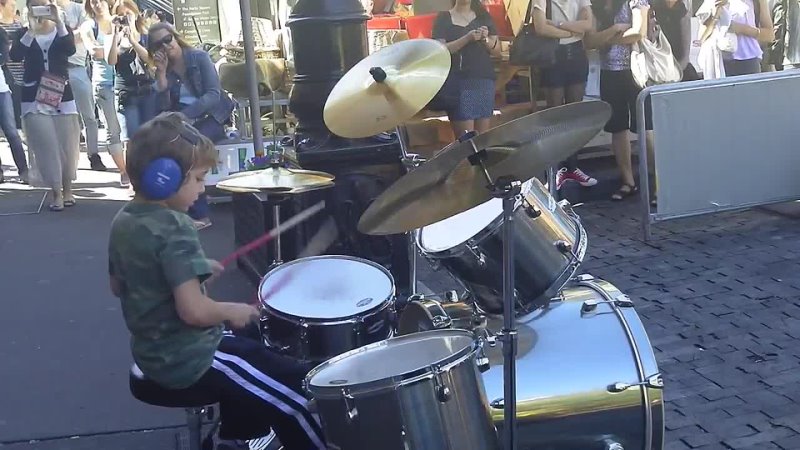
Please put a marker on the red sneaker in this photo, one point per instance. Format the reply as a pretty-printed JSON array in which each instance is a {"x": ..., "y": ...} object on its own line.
[{"x": 576, "y": 175}]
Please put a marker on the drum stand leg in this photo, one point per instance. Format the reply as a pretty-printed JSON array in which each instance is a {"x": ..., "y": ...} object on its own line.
[
  {"x": 508, "y": 190},
  {"x": 410, "y": 162},
  {"x": 276, "y": 222}
]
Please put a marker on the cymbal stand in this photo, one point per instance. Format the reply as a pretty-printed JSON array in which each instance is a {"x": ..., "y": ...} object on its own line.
[
  {"x": 275, "y": 161},
  {"x": 410, "y": 161},
  {"x": 508, "y": 189}
]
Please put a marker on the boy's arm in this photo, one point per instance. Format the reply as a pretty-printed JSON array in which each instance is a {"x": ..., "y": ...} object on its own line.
[{"x": 198, "y": 310}]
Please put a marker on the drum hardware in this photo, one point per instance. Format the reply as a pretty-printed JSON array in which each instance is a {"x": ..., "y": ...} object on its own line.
[
  {"x": 653, "y": 381},
  {"x": 350, "y": 408},
  {"x": 622, "y": 301},
  {"x": 413, "y": 392},
  {"x": 328, "y": 305},
  {"x": 612, "y": 302}
]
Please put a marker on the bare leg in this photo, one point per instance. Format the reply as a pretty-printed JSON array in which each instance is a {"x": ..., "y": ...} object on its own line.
[
  {"x": 621, "y": 145},
  {"x": 483, "y": 125},
  {"x": 462, "y": 126},
  {"x": 119, "y": 161},
  {"x": 554, "y": 97}
]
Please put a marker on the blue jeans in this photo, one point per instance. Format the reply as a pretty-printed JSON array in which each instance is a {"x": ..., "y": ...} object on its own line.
[
  {"x": 9, "y": 125},
  {"x": 136, "y": 109},
  {"x": 83, "y": 92},
  {"x": 104, "y": 99},
  {"x": 213, "y": 130}
]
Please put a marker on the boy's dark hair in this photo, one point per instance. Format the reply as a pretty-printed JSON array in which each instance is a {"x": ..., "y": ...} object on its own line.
[{"x": 162, "y": 138}]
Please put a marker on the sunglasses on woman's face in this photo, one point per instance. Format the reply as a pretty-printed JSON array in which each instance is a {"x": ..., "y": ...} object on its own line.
[{"x": 166, "y": 40}]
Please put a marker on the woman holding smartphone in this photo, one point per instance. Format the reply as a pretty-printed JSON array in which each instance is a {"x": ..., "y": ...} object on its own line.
[
  {"x": 49, "y": 114},
  {"x": 96, "y": 31},
  {"x": 187, "y": 81}
]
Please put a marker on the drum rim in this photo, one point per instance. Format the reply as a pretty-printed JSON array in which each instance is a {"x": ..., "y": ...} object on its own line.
[
  {"x": 386, "y": 302},
  {"x": 480, "y": 235},
  {"x": 394, "y": 381}
]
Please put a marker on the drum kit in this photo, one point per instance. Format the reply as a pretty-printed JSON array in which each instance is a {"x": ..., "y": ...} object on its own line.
[{"x": 534, "y": 357}]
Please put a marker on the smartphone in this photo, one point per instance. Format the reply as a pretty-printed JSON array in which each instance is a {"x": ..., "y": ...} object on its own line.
[{"x": 40, "y": 11}]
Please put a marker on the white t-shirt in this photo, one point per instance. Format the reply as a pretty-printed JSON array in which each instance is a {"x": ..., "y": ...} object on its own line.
[
  {"x": 564, "y": 11},
  {"x": 75, "y": 15}
]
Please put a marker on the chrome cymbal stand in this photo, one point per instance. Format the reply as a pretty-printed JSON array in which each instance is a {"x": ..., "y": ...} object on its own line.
[
  {"x": 276, "y": 160},
  {"x": 410, "y": 161},
  {"x": 508, "y": 189}
]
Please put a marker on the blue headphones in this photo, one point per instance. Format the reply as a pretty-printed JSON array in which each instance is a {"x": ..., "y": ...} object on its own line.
[{"x": 163, "y": 177}]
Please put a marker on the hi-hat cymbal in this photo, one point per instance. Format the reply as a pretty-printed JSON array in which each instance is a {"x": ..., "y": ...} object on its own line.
[
  {"x": 387, "y": 88},
  {"x": 448, "y": 184},
  {"x": 276, "y": 180}
]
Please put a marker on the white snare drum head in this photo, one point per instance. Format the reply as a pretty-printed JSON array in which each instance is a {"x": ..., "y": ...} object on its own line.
[
  {"x": 326, "y": 287},
  {"x": 391, "y": 358},
  {"x": 456, "y": 230}
]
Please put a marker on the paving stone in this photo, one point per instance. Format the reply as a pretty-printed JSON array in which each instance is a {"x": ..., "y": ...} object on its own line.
[{"x": 719, "y": 296}]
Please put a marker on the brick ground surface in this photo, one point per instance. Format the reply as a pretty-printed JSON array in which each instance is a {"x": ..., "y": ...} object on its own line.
[{"x": 720, "y": 298}]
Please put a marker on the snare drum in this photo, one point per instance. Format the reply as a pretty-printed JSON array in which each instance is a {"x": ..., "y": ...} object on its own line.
[
  {"x": 417, "y": 392},
  {"x": 319, "y": 307},
  {"x": 587, "y": 377},
  {"x": 549, "y": 245}
]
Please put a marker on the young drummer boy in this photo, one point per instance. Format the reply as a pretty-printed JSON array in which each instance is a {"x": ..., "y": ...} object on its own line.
[{"x": 156, "y": 268}]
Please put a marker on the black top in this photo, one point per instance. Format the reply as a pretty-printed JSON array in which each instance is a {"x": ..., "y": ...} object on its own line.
[
  {"x": 131, "y": 73},
  {"x": 473, "y": 60},
  {"x": 670, "y": 21},
  {"x": 26, "y": 49}
]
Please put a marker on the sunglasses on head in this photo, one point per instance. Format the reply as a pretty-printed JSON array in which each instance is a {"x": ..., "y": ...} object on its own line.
[{"x": 166, "y": 40}]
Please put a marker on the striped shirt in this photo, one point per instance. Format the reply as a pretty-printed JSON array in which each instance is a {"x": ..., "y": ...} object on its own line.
[{"x": 17, "y": 69}]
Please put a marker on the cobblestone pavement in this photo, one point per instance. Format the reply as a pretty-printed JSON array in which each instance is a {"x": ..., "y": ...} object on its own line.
[{"x": 720, "y": 298}]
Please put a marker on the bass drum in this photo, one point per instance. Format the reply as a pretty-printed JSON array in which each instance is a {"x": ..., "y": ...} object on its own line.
[{"x": 587, "y": 377}]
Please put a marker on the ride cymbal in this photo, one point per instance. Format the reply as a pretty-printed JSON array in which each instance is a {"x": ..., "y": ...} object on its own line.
[
  {"x": 449, "y": 184},
  {"x": 387, "y": 88},
  {"x": 276, "y": 180}
]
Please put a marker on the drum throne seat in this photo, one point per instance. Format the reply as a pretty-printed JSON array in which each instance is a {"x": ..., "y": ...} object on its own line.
[{"x": 195, "y": 402}]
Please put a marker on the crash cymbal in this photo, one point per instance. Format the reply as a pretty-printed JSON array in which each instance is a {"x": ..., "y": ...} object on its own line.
[
  {"x": 277, "y": 180},
  {"x": 448, "y": 184},
  {"x": 387, "y": 88}
]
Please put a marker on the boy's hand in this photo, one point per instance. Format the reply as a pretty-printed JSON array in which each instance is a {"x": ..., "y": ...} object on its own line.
[{"x": 240, "y": 315}]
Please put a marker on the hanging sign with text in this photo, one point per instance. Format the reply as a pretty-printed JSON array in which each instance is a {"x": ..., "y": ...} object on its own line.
[{"x": 197, "y": 20}]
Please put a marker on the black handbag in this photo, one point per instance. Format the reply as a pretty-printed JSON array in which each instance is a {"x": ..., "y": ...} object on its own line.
[{"x": 530, "y": 49}]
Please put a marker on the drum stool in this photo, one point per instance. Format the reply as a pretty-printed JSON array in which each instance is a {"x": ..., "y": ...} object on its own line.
[{"x": 195, "y": 402}]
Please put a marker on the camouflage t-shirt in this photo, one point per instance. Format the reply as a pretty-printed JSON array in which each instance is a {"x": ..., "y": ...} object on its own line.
[{"x": 153, "y": 249}]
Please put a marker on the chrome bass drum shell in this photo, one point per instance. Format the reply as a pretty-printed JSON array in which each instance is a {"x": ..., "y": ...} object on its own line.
[
  {"x": 415, "y": 392},
  {"x": 587, "y": 377},
  {"x": 549, "y": 245},
  {"x": 318, "y": 307}
]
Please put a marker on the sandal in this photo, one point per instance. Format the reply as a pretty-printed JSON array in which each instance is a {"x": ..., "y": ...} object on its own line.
[
  {"x": 70, "y": 202},
  {"x": 56, "y": 207},
  {"x": 624, "y": 191}
]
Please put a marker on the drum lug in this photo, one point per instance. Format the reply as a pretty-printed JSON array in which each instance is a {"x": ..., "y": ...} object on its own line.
[
  {"x": 440, "y": 322},
  {"x": 564, "y": 247},
  {"x": 653, "y": 381},
  {"x": 443, "y": 393},
  {"x": 304, "y": 343},
  {"x": 621, "y": 301},
  {"x": 349, "y": 404},
  {"x": 482, "y": 360},
  {"x": 531, "y": 210},
  {"x": 358, "y": 329},
  {"x": 584, "y": 277},
  {"x": 451, "y": 296}
]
